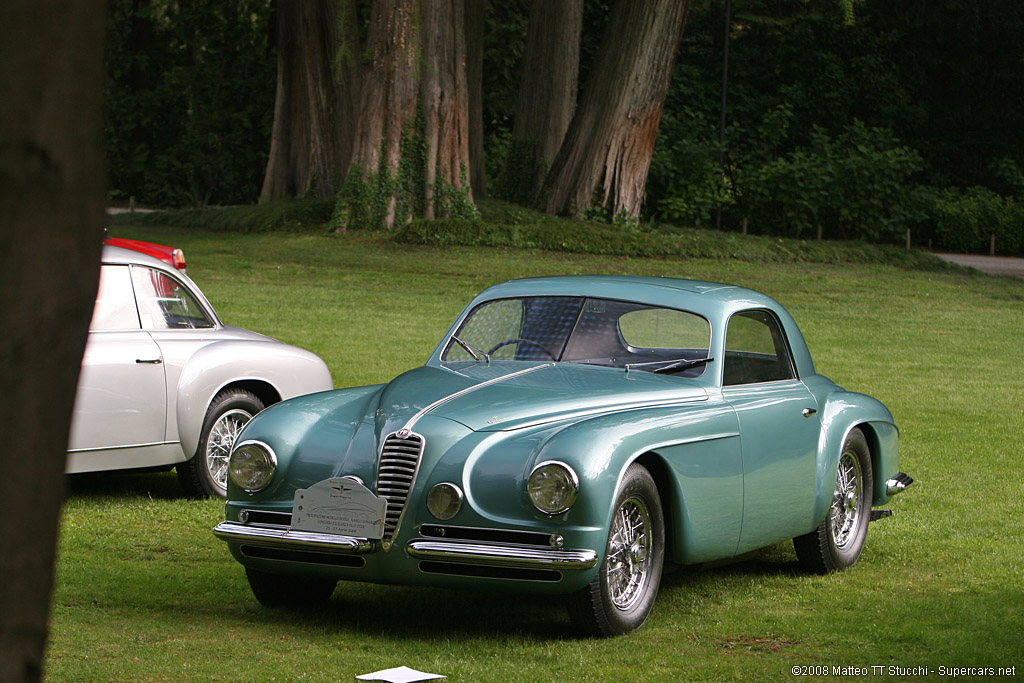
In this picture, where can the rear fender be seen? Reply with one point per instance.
(843, 412)
(288, 370)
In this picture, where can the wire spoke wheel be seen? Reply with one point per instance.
(220, 442)
(848, 500)
(629, 553)
(621, 595)
(205, 474)
(837, 542)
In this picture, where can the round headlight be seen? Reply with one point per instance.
(553, 487)
(444, 501)
(252, 465)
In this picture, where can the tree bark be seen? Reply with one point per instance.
(416, 65)
(444, 96)
(474, 81)
(52, 185)
(547, 95)
(308, 152)
(607, 150)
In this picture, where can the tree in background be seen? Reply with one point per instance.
(51, 209)
(607, 150)
(411, 137)
(190, 111)
(313, 107)
(474, 23)
(547, 96)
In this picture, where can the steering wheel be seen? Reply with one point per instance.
(520, 340)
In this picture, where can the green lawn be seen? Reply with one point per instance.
(145, 593)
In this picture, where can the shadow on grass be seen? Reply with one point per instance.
(429, 614)
(155, 485)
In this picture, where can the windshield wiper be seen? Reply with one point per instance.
(681, 364)
(476, 353)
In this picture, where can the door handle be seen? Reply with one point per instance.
(149, 361)
(808, 412)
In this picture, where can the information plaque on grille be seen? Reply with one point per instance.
(339, 506)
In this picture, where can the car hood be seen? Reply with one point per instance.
(511, 395)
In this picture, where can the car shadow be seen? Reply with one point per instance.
(424, 613)
(155, 485)
(427, 614)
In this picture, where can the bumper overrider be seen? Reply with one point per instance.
(456, 551)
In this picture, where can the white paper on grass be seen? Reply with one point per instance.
(401, 674)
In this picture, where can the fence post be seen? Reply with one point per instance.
(744, 225)
(908, 239)
(992, 246)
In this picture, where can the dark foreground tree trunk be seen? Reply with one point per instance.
(607, 149)
(547, 95)
(308, 151)
(411, 147)
(51, 220)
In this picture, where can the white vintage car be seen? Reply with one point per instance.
(165, 384)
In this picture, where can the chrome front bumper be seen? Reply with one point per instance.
(487, 554)
(498, 555)
(284, 537)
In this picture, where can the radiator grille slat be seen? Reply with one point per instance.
(396, 471)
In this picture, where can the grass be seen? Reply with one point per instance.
(145, 593)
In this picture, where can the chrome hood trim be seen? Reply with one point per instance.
(408, 426)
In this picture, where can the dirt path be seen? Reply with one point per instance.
(993, 265)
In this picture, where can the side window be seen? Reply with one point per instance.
(164, 303)
(755, 350)
(664, 328)
(115, 302)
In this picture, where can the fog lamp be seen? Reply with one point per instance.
(444, 500)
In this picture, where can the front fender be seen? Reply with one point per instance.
(313, 437)
(699, 455)
(288, 370)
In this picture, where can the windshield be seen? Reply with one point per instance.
(583, 330)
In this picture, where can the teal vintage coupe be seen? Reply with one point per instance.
(569, 435)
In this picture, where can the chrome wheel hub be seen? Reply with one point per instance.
(220, 442)
(847, 502)
(629, 554)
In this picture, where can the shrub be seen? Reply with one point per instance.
(964, 220)
(854, 186)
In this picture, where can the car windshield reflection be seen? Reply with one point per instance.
(586, 331)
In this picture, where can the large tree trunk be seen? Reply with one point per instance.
(607, 150)
(52, 185)
(412, 137)
(308, 152)
(475, 82)
(547, 95)
(444, 97)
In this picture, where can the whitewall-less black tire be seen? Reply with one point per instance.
(837, 542)
(620, 598)
(205, 475)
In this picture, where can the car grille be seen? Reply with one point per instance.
(396, 470)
